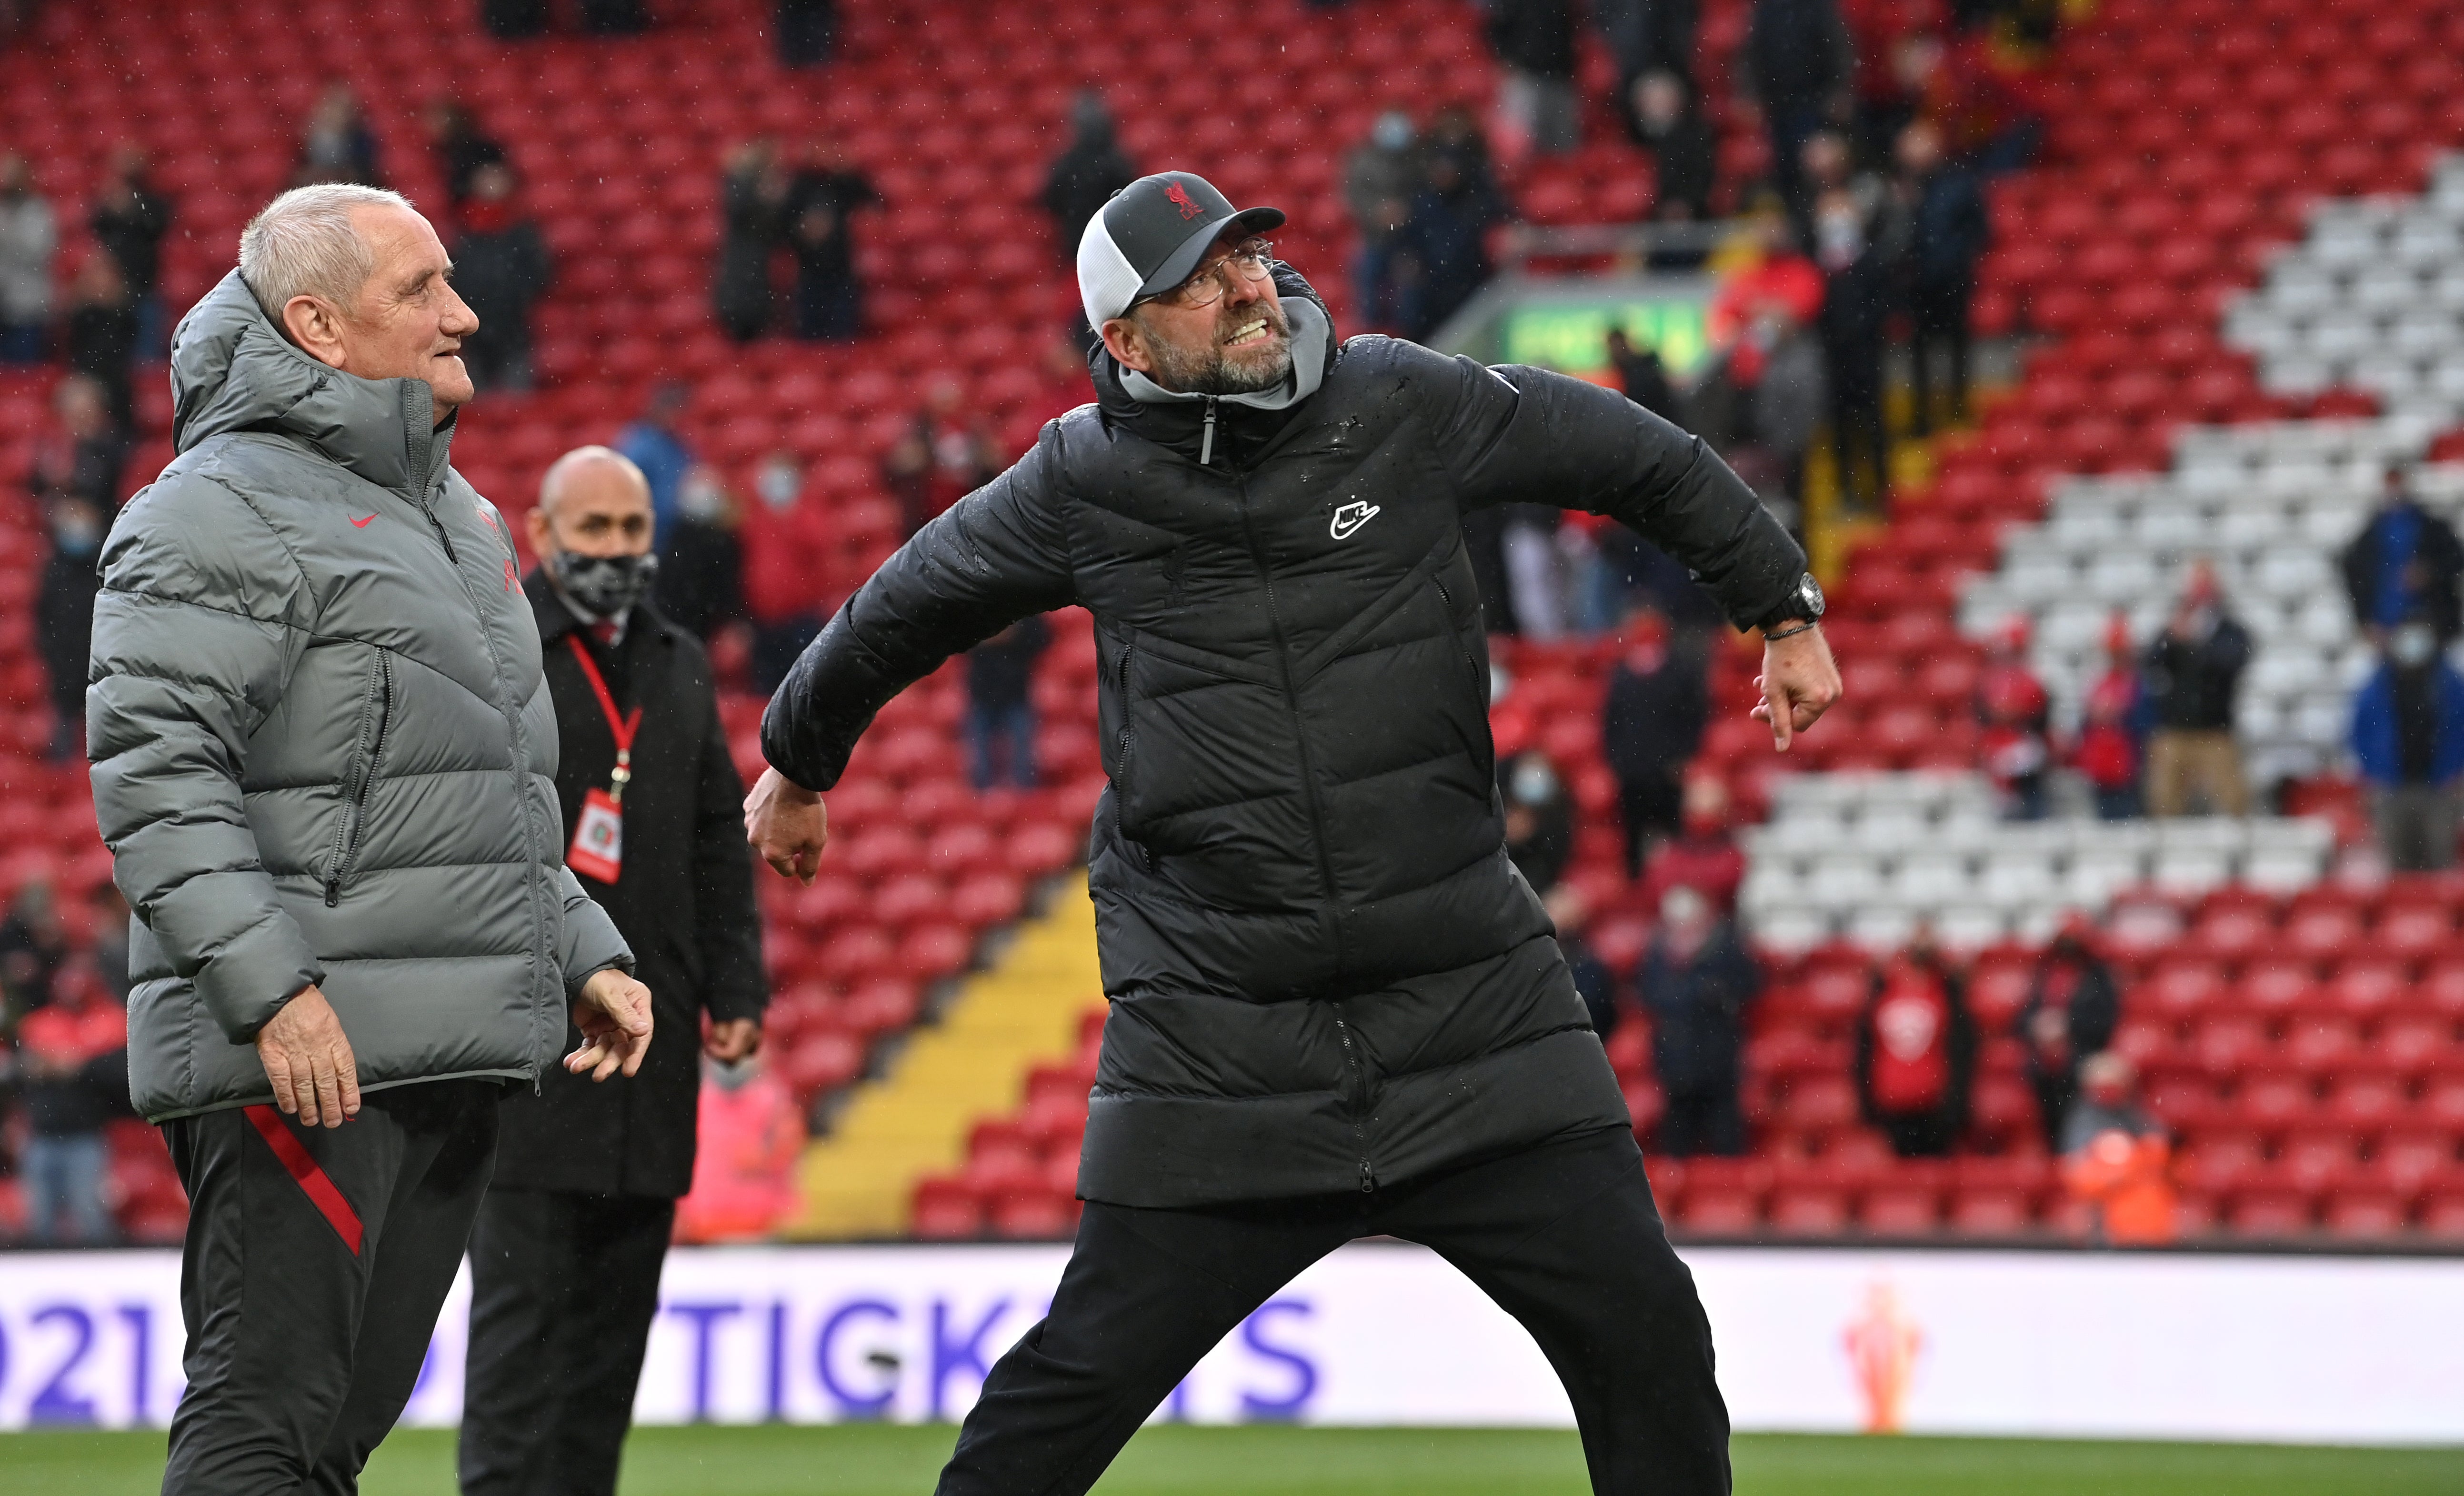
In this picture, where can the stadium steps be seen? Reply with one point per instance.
(860, 1180)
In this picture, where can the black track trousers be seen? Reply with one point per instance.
(1563, 1235)
(563, 1288)
(303, 1342)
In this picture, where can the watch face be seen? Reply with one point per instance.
(1811, 592)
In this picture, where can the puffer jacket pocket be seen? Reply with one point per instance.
(358, 774)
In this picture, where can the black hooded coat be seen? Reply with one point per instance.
(1324, 974)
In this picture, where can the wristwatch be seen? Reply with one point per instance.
(1805, 604)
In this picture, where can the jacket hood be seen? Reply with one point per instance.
(231, 371)
(1129, 399)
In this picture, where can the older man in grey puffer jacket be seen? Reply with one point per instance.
(324, 759)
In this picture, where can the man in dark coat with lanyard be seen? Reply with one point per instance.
(1336, 1008)
(565, 1256)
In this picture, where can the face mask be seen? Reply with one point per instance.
(2412, 647)
(1532, 783)
(1683, 911)
(779, 485)
(606, 585)
(732, 1077)
(76, 537)
(701, 500)
(1394, 132)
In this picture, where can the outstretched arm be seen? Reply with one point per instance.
(997, 556)
(1517, 434)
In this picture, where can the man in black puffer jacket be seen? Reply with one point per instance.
(1337, 1010)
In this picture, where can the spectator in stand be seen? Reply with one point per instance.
(2409, 738)
(1539, 820)
(1826, 163)
(85, 451)
(1797, 71)
(102, 331)
(1445, 242)
(652, 443)
(1704, 854)
(2194, 677)
(1379, 181)
(459, 145)
(129, 219)
(1537, 108)
(827, 192)
(1650, 728)
(502, 268)
(1789, 402)
(1534, 569)
(1916, 1052)
(1696, 981)
(2111, 748)
(753, 199)
(2013, 722)
(701, 563)
(1066, 387)
(1454, 132)
(907, 472)
(1083, 177)
(2074, 1006)
(2405, 561)
(1000, 705)
(745, 1171)
(1948, 232)
(1572, 914)
(1647, 37)
(964, 455)
(29, 237)
(2117, 1158)
(1856, 305)
(72, 1073)
(1643, 378)
(64, 613)
(34, 948)
(808, 30)
(1779, 286)
(337, 144)
(1662, 116)
(788, 548)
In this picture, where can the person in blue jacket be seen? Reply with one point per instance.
(2409, 736)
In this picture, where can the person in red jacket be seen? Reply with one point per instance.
(1916, 1052)
(787, 542)
(2113, 727)
(73, 1067)
(1704, 854)
(2011, 715)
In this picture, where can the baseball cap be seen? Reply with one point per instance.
(1150, 237)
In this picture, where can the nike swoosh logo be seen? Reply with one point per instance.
(363, 523)
(1350, 517)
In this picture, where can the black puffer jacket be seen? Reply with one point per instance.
(1324, 974)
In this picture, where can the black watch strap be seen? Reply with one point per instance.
(1804, 605)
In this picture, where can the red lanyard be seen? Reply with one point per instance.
(621, 728)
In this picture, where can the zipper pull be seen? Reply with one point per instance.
(1206, 447)
(332, 889)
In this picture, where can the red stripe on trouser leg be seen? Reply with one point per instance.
(313, 1182)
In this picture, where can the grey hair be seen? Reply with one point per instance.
(303, 243)
(552, 481)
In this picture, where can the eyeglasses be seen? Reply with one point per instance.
(1206, 286)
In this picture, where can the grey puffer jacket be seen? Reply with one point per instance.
(323, 751)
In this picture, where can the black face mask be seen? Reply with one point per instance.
(606, 585)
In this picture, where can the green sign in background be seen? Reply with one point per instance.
(1573, 335)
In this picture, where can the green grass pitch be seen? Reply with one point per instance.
(879, 1461)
